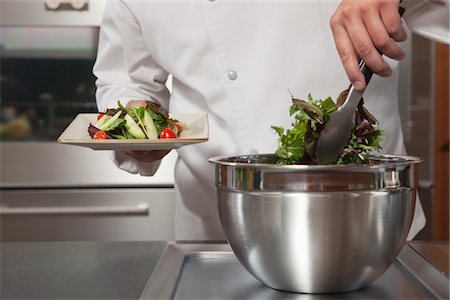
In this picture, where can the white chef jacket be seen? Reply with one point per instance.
(238, 62)
(429, 18)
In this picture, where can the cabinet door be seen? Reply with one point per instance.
(441, 145)
(110, 214)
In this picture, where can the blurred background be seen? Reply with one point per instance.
(50, 191)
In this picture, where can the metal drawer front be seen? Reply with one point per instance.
(105, 214)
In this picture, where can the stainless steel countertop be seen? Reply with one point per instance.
(211, 271)
(76, 270)
(104, 270)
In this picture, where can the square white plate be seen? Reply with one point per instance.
(77, 134)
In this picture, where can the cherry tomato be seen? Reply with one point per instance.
(167, 133)
(100, 135)
(100, 116)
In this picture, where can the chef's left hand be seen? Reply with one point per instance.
(360, 27)
(147, 156)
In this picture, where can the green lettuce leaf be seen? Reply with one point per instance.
(297, 144)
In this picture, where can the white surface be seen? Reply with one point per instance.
(77, 134)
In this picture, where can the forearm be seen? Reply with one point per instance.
(126, 71)
(125, 68)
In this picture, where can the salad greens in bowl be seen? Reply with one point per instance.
(297, 144)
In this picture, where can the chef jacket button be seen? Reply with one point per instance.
(232, 75)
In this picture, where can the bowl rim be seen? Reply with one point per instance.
(387, 160)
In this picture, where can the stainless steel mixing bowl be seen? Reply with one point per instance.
(316, 229)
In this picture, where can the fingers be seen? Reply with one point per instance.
(367, 29)
(134, 103)
(364, 41)
(389, 19)
(393, 23)
(147, 156)
(348, 56)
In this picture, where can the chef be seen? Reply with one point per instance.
(237, 62)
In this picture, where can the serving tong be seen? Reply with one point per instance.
(337, 131)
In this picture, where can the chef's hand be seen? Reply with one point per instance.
(360, 27)
(147, 156)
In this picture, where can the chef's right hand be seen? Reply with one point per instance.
(362, 29)
(147, 155)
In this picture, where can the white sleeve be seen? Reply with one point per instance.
(125, 70)
(428, 18)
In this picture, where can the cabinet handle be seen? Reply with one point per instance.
(140, 209)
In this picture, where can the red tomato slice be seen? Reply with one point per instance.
(100, 116)
(100, 135)
(167, 133)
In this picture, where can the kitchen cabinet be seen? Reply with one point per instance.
(425, 124)
(100, 214)
(441, 145)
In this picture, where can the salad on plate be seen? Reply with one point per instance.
(149, 121)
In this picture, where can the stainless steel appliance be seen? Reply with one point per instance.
(51, 191)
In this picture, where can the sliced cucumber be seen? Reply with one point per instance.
(133, 128)
(105, 126)
(149, 126)
(102, 121)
